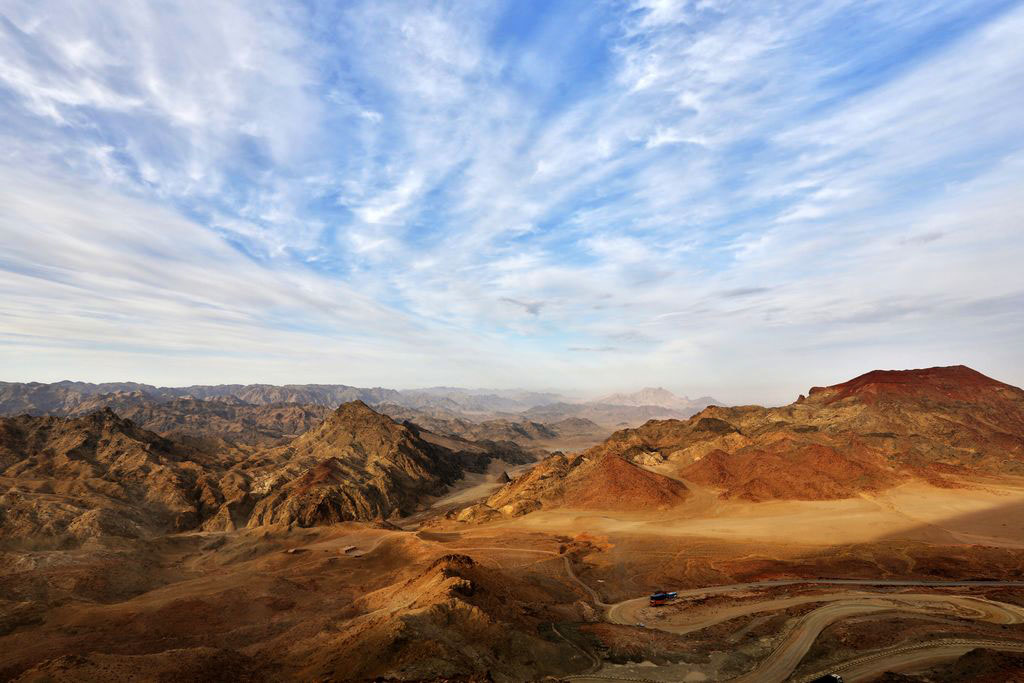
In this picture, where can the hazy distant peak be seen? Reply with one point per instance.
(655, 396)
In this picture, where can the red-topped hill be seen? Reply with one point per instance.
(937, 425)
(951, 383)
(941, 426)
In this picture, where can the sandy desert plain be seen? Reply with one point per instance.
(873, 529)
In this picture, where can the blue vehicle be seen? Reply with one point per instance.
(661, 597)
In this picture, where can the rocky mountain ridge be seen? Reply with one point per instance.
(522, 431)
(357, 464)
(68, 479)
(63, 398)
(937, 425)
(229, 419)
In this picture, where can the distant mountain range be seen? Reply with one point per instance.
(61, 398)
(478, 400)
(310, 466)
(657, 396)
(73, 398)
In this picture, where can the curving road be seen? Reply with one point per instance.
(779, 665)
(910, 657)
(783, 660)
(631, 611)
(595, 661)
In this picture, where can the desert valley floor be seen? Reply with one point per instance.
(909, 566)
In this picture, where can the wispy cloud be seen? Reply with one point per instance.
(701, 191)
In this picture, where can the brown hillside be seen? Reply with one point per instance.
(598, 483)
(611, 483)
(230, 419)
(67, 480)
(356, 465)
(793, 471)
(422, 626)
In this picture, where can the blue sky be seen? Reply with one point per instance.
(734, 198)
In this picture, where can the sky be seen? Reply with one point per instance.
(741, 199)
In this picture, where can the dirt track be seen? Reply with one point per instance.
(782, 661)
(911, 657)
(595, 598)
(631, 611)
